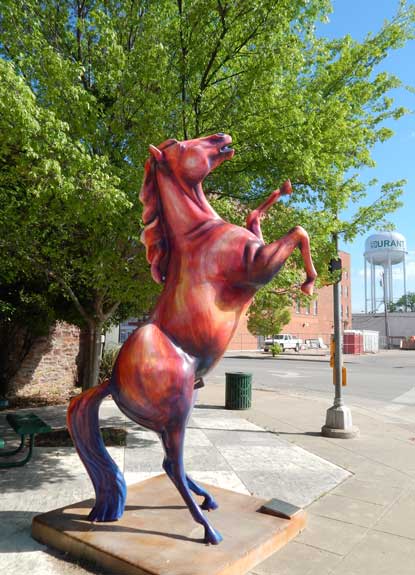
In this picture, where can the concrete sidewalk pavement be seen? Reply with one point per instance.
(360, 494)
(364, 526)
(314, 355)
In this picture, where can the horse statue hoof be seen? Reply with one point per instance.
(212, 536)
(209, 505)
(308, 287)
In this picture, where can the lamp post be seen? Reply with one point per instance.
(338, 417)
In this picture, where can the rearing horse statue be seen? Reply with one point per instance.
(211, 270)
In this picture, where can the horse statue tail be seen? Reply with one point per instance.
(109, 484)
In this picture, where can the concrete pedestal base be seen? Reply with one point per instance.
(339, 423)
(157, 535)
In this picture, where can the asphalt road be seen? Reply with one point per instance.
(387, 377)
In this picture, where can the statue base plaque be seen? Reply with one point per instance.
(157, 535)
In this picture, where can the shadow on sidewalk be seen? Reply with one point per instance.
(208, 406)
(309, 433)
(46, 468)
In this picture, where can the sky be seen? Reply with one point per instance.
(395, 159)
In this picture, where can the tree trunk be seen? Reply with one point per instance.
(90, 355)
(16, 341)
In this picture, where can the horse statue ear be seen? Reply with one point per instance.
(156, 153)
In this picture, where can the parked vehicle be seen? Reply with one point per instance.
(285, 340)
(316, 343)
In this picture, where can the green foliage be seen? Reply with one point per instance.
(63, 213)
(276, 349)
(404, 303)
(270, 311)
(108, 360)
(22, 305)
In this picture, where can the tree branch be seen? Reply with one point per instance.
(106, 315)
(71, 294)
(183, 66)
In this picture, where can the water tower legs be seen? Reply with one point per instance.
(373, 286)
(390, 272)
(404, 283)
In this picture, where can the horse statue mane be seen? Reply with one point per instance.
(154, 236)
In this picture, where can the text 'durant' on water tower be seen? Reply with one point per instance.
(385, 249)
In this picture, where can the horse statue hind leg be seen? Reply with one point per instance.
(153, 384)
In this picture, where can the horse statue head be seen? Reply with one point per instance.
(178, 169)
(192, 160)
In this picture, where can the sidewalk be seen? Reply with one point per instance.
(359, 494)
(290, 354)
(307, 355)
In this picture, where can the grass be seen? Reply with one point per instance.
(113, 437)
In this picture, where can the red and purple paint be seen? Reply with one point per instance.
(211, 270)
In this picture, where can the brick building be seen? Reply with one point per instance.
(52, 362)
(310, 322)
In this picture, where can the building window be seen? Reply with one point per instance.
(341, 289)
(346, 291)
(347, 311)
(315, 307)
(297, 306)
(341, 311)
(307, 309)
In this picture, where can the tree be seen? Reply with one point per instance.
(64, 219)
(404, 303)
(104, 79)
(269, 312)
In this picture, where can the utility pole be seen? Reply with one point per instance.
(338, 417)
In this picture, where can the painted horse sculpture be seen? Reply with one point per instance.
(211, 270)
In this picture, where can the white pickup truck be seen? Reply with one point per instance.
(285, 340)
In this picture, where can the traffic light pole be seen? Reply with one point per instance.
(338, 417)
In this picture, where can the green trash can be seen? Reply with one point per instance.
(238, 390)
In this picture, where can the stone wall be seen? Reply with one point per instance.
(51, 361)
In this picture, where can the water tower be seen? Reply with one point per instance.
(384, 249)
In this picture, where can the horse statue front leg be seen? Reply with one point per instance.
(264, 261)
(253, 221)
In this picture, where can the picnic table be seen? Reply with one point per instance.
(25, 425)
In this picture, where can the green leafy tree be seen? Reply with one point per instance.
(65, 222)
(404, 303)
(269, 312)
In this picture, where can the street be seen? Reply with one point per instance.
(376, 381)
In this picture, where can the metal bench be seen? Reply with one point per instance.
(27, 424)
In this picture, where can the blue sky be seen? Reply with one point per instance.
(394, 159)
